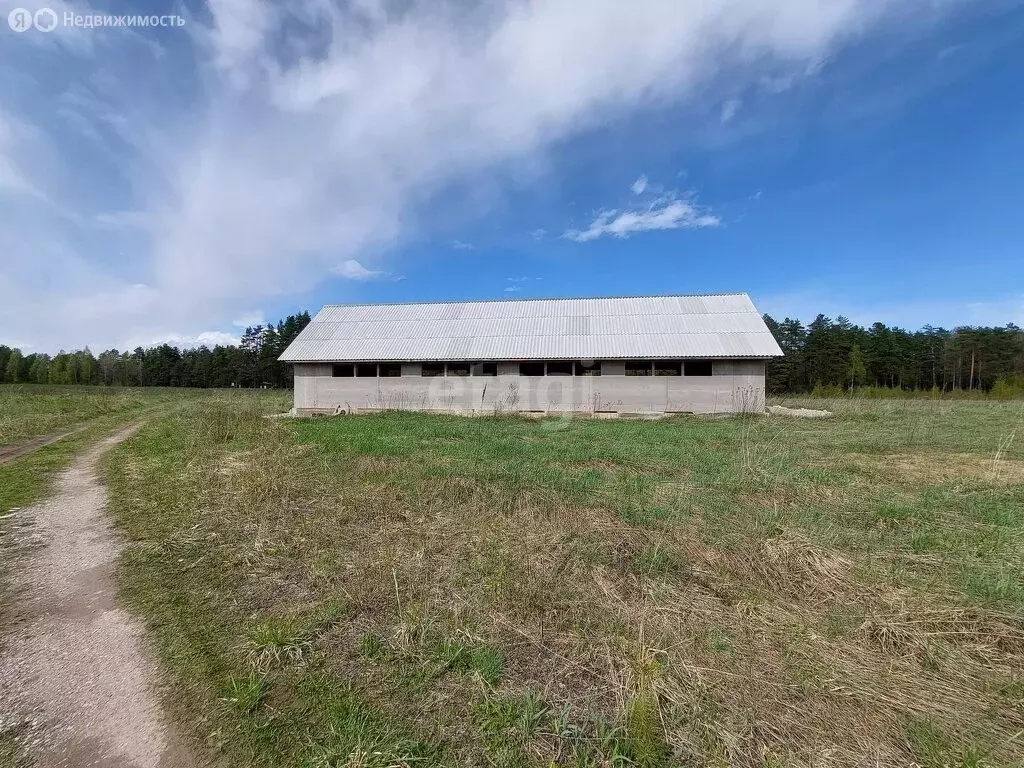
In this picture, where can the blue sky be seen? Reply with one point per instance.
(861, 157)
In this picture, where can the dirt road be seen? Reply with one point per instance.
(77, 674)
(9, 453)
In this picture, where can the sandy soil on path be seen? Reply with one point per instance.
(77, 675)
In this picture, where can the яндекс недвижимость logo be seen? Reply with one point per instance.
(22, 20)
(46, 20)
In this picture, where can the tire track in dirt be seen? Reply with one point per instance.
(9, 453)
(77, 674)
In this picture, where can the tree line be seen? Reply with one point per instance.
(838, 354)
(823, 354)
(251, 363)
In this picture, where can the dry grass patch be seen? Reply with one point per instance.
(790, 564)
(600, 465)
(916, 469)
(232, 464)
(676, 491)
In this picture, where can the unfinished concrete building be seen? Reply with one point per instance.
(602, 356)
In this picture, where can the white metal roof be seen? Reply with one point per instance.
(721, 325)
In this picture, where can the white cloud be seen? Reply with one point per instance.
(24, 346)
(538, 234)
(729, 109)
(516, 284)
(122, 220)
(666, 212)
(209, 339)
(460, 245)
(12, 180)
(996, 312)
(353, 270)
(213, 338)
(15, 140)
(778, 84)
(249, 319)
(313, 133)
(951, 50)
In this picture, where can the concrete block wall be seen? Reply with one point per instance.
(734, 386)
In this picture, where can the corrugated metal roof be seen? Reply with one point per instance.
(722, 325)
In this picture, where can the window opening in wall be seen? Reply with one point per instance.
(638, 367)
(559, 368)
(531, 369)
(587, 368)
(485, 369)
(342, 370)
(668, 368)
(390, 370)
(432, 369)
(458, 369)
(366, 370)
(697, 368)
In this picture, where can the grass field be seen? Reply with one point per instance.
(31, 410)
(88, 413)
(406, 589)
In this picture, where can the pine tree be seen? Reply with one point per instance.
(5, 355)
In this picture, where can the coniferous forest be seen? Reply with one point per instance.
(252, 363)
(823, 356)
(829, 354)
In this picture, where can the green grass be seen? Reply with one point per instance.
(95, 412)
(25, 480)
(410, 589)
(33, 410)
(12, 749)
